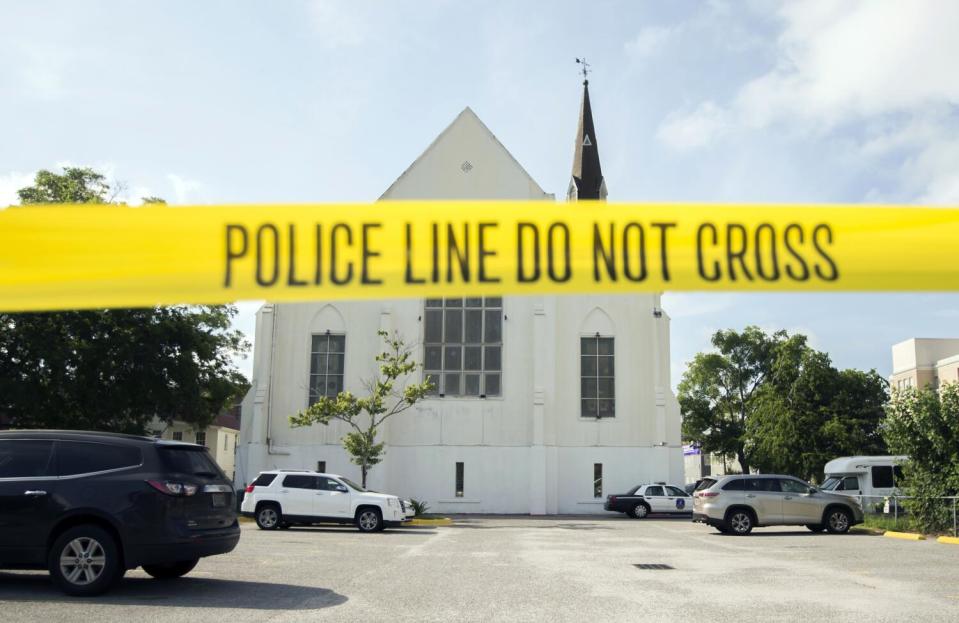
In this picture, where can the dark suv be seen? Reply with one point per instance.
(89, 506)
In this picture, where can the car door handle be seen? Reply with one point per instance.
(35, 494)
(788, 497)
(750, 495)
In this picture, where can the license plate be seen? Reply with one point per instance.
(219, 499)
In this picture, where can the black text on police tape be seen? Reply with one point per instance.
(343, 254)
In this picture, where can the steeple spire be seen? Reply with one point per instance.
(587, 182)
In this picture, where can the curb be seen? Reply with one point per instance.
(948, 539)
(907, 536)
(440, 521)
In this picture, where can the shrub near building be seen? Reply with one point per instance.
(924, 424)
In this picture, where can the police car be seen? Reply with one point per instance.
(657, 497)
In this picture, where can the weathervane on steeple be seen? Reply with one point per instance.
(585, 70)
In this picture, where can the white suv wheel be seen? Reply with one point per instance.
(267, 518)
(368, 521)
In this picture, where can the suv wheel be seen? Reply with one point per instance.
(85, 561)
(268, 517)
(740, 522)
(369, 520)
(838, 521)
(171, 570)
(639, 511)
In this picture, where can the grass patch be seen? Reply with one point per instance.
(886, 522)
(904, 523)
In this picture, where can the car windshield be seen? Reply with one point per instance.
(830, 484)
(353, 485)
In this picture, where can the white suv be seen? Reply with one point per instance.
(283, 498)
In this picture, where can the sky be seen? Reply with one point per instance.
(317, 100)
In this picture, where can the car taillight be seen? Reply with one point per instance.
(612, 498)
(709, 494)
(249, 488)
(168, 487)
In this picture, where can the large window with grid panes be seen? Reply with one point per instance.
(597, 386)
(327, 352)
(463, 346)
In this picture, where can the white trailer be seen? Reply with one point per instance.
(869, 478)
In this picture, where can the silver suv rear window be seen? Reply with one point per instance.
(705, 483)
(735, 485)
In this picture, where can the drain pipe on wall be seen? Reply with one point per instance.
(269, 402)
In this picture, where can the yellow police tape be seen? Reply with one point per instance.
(71, 257)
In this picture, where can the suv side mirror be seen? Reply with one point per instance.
(342, 489)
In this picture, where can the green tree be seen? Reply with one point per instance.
(718, 391)
(808, 412)
(114, 370)
(387, 395)
(74, 185)
(924, 424)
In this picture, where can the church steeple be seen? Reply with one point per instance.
(587, 182)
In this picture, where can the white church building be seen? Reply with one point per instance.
(543, 404)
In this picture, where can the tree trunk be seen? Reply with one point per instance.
(741, 457)
(363, 470)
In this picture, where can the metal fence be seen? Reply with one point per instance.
(891, 507)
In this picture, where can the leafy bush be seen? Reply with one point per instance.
(924, 424)
(419, 507)
(929, 511)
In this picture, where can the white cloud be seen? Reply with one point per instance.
(184, 190)
(881, 70)
(10, 184)
(683, 131)
(135, 195)
(838, 60)
(842, 61)
(650, 41)
(935, 170)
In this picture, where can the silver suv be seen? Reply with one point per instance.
(737, 504)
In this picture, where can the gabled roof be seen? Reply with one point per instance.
(227, 419)
(466, 161)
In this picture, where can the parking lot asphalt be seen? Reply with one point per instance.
(529, 569)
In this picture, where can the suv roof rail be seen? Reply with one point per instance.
(53, 432)
(301, 471)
